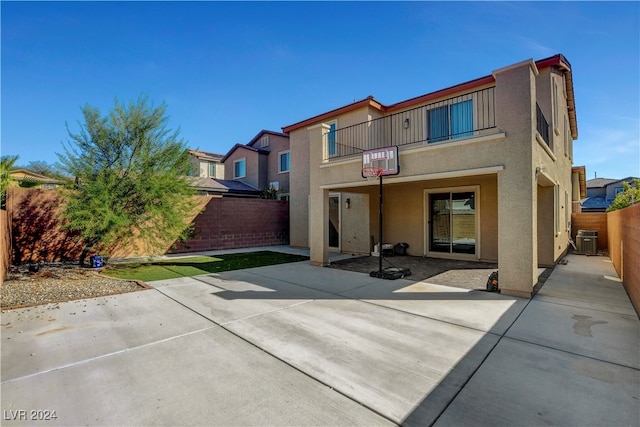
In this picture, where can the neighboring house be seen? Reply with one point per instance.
(221, 187)
(485, 173)
(206, 165)
(263, 163)
(601, 192)
(27, 178)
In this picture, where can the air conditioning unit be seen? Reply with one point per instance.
(587, 242)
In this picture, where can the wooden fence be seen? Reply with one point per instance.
(591, 221)
(624, 248)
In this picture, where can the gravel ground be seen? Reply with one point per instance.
(58, 283)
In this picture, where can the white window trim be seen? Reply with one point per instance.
(264, 141)
(326, 147)
(473, 97)
(280, 162)
(244, 159)
(425, 219)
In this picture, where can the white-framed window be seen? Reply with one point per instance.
(555, 106)
(332, 142)
(212, 170)
(264, 141)
(556, 197)
(567, 211)
(284, 161)
(240, 168)
(450, 120)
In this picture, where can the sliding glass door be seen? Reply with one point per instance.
(452, 222)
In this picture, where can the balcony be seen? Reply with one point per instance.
(542, 125)
(463, 116)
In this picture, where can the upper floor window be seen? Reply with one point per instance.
(240, 168)
(331, 139)
(212, 170)
(450, 121)
(285, 162)
(264, 141)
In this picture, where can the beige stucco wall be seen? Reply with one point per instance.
(277, 144)
(252, 158)
(521, 183)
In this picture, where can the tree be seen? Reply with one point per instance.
(630, 194)
(129, 184)
(6, 164)
(46, 169)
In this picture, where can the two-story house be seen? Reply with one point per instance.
(206, 165)
(263, 163)
(601, 192)
(485, 173)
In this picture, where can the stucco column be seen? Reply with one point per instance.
(517, 188)
(318, 198)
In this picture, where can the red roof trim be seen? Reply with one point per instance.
(443, 92)
(367, 102)
(557, 60)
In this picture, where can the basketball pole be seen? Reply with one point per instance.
(380, 228)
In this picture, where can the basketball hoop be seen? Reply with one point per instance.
(372, 172)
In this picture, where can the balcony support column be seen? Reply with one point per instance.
(318, 198)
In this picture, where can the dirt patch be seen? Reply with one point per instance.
(58, 282)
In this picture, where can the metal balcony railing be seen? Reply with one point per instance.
(454, 118)
(542, 125)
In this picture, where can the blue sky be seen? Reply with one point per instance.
(226, 70)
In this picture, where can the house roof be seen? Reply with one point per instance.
(600, 182)
(267, 132)
(21, 175)
(204, 155)
(596, 202)
(558, 61)
(246, 147)
(221, 186)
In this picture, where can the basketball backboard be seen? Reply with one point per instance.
(385, 160)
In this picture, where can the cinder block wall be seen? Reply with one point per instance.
(5, 246)
(239, 223)
(591, 221)
(223, 223)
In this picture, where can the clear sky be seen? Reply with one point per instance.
(226, 70)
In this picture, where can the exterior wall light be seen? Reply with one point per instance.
(347, 203)
(406, 123)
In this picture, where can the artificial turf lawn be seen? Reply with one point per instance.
(193, 266)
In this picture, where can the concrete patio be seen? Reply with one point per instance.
(301, 345)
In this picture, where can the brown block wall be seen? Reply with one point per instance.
(591, 221)
(223, 223)
(227, 223)
(5, 246)
(624, 249)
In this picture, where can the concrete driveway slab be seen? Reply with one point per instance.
(603, 335)
(526, 384)
(47, 337)
(206, 378)
(383, 358)
(576, 284)
(480, 310)
(304, 274)
(227, 300)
